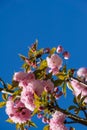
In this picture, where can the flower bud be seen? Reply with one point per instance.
(66, 55)
(44, 120)
(59, 49)
(41, 108)
(39, 115)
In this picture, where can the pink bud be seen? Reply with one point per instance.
(56, 89)
(41, 108)
(58, 95)
(82, 72)
(46, 50)
(66, 55)
(39, 115)
(44, 120)
(59, 49)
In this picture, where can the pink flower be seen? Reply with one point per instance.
(20, 76)
(17, 111)
(54, 62)
(48, 85)
(57, 121)
(27, 94)
(23, 78)
(27, 97)
(59, 49)
(82, 72)
(79, 88)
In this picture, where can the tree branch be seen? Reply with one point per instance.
(72, 116)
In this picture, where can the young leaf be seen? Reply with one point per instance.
(9, 120)
(72, 107)
(64, 89)
(52, 50)
(46, 127)
(43, 64)
(30, 123)
(5, 96)
(2, 104)
(22, 57)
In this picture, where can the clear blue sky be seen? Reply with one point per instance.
(52, 22)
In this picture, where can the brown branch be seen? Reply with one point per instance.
(82, 83)
(72, 116)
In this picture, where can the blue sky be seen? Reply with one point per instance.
(52, 22)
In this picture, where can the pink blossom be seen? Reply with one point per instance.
(82, 72)
(27, 94)
(27, 97)
(57, 121)
(17, 111)
(79, 88)
(54, 71)
(23, 78)
(48, 85)
(54, 62)
(19, 76)
(37, 86)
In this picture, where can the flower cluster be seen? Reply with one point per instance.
(78, 87)
(37, 89)
(17, 111)
(57, 121)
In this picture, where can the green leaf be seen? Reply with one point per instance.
(10, 87)
(75, 101)
(64, 69)
(78, 98)
(39, 53)
(61, 75)
(52, 51)
(17, 126)
(30, 123)
(14, 84)
(46, 127)
(83, 98)
(72, 107)
(2, 104)
(43, 64)
(17, 92)
(35, 111)
(9, 120)
(58, 82)
(69, 86)
(64, 89)
(5, 96)
(22, 57)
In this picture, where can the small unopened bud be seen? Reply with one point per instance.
(39, 115)
(56, 89)
(46, 50)
(41, 108)
(59, 49)
(58, 95)
(66, 55)
(44, 120)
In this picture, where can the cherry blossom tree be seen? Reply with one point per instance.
(37, 89)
